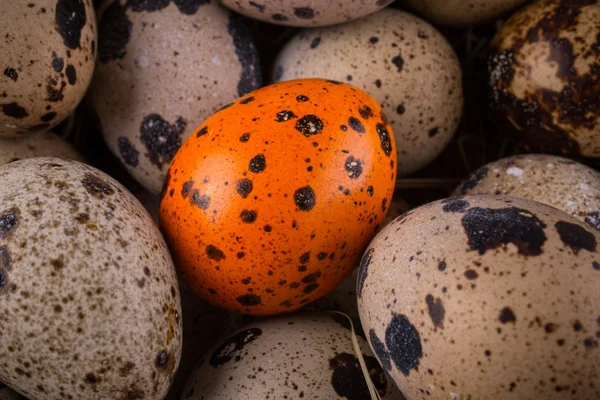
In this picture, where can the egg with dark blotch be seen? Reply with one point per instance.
(485, 297)
(306, 14)
(48, 52)
(43, 144)
(163, 68)
(90, 303)
(400, 60)
(308, 355)
(556, 181)
(544, 70)
(270, 203)
(462, 13)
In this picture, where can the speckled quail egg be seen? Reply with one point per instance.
(556, 181)
(403, 62)
(462, 13)
(48, 51)
(306, 355)
(43, 144)
(90, 303)
(545, 77)
(306, 13)
(485, 297)
(163, 68)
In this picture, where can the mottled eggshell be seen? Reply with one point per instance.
(271, 202)
(556, 181)
(462, 13)
(44, 144)
(485, 297)
(545, 77)
(298, 356)
(403, 62)
(89, 304)
(48, 51)
(306, 13)
(163, 68)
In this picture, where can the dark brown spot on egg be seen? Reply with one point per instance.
(244, 187)
(162, 359)
(454, 205)
(128, 152)
(304, 12)
(285, 115)
(436, 310)
(305, 198)
(575, 236)
(384, 139)
(250, 78)
(365, 111)
(363, 271)
(70, 18)
(471, 274)
(348, 379)
(214, 253)
(507, 315)
(48, 117)
(248, 216)
(380, 350)
(257, 164)
(356, 125)
(161, 139)
(473, 180)
(202, 201)
(309, 125)
(201, 132)
(403, 343)
(97, 186)
(14, 110)
(249, 300)
(232, 347)
(11, 73)
(71, 74)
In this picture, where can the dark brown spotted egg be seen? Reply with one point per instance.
(89, 300)
(43, 144)
(462, 13)
(399, 59)
(485, 297)
(545, 77)
(306, 13)
(299, 356)
(556, 181)
(163, 68)
(48, 51)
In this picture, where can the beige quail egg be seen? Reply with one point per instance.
(462, 13)
(306, 13)
(403, 62)
(306, 355)
(163, 68)
(90, 303)
(48, 51)
(544, 69)
(43, 144)
(485, 297)
(556, 181)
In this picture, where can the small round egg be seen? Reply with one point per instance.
(48, 52)
(271, 202)
(485, 297)
(90, 303)
(308, 355)
(462, 13)
(43, 144)
(556, 181)
(403, 62)
(545, 78)
(306, 14)
(163, 68)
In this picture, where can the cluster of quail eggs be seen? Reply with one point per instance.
(227, 199)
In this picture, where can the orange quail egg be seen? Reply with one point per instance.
(163, 68)
(400, 60)
(90, 304)
(306, 355)
(485, 297)
(48, 51)
(306, 13)
(556, 181)
(462, 13)
(44, 144)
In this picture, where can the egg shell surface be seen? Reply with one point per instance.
(485, 297)
(48, 52)
(544, 67)
(163, 68)
(90, 303)
(400, 60)
(271, 202)
(308, 355)
(43, 144)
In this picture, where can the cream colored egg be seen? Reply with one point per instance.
(306, 13)
(544, 67)
(462, 13)
(485, 297)
(163, 68)
(307, 355)
(403, 62)
(556, 181)
(90, 303)
(44, 144)
(48, 51)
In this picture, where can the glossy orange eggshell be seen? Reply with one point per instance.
(270, 204)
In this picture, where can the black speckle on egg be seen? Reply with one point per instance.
(436, 310)
(471, 274)
(348, 379)
(285, 115)
(507, 315)
(575, 236)
(432, 132)
(356, 125)
(257, 164)
(301, 98)
(370, 191)
(96, 186)
(305, 198)
(249, 300)
(384, 139)
(400, 109)
(8, 221)
(71, 74)
(202, 131)
(309, 125)
(353, 167)
(315, 42)
(70, 18)
(365, 111)
(596, 265)
(247, 100)
(161, 139)
(114, 32)
(48, 116)
(279, 17)
(189, 7)
(147, 5)
(403, 343)
(304, 12)
(14, 110)
(380, 350)
(11, 73)
(363, 271)
(398, 62)
(162, 359)
(214, 253)
(244, 187)
(57, 63)
(473, 180)
(248, 216)
(455, 205)
(202, 201)
(310, 288)
(128, 152)
(233, 346)
(442, 266)
(250, 78)
(305, 258)
(186, 188)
